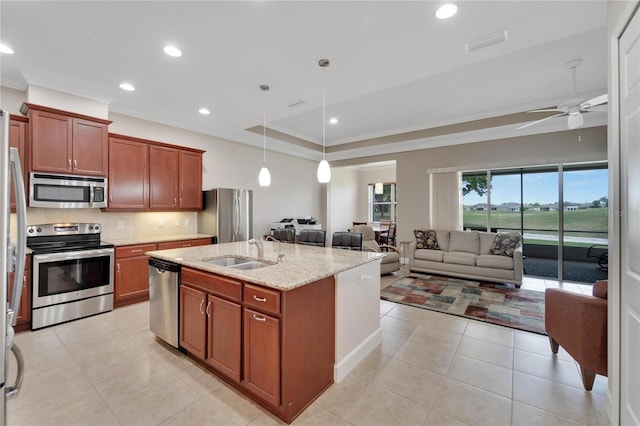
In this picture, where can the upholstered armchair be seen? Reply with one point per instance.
(578, 323)
(390, 261)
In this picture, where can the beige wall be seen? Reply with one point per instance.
(342, 197)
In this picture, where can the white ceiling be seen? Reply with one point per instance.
(394, 67)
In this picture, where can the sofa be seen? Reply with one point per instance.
(476, 255)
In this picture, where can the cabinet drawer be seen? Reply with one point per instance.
(184, 243)
(262, 298)
(131, 251)
(215, 284)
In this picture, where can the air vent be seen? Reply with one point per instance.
(296, 103)
(477, 45)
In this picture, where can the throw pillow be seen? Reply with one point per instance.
(504, 244)
(426, 239)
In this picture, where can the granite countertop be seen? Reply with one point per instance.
(154, 239)
(302, 264)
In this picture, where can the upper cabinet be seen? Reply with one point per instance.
(63, 142)
(175, 177)
(148, 175)
(18, 139)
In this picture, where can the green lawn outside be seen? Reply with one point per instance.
(590, 220)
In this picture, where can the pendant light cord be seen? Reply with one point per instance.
(324, 103)
(264, 127)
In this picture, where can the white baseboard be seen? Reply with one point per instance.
(344, 366)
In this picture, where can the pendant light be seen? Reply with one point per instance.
(324, 170)
(264, 177)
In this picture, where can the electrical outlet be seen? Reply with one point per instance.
(119, 224)
(161, 223)
(177, 222)
(187, 221)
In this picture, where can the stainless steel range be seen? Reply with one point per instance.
(72, 272)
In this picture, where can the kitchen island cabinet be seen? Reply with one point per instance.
(65, 142)
(290, 318)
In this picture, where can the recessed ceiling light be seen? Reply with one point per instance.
(127, 86)
(172, 51)
(6, 49)
(333, 120)
(204, 111)
(446, 11)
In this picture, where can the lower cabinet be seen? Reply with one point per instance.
(277, 347)
(131, 274)
(262, 355)
(23, 320)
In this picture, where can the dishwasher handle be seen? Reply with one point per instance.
(163, 265)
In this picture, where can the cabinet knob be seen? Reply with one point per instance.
(259, 299)
(257, 318)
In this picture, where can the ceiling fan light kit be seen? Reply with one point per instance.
(573, 111)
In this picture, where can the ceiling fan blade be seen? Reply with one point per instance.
(540, 121)
(598, 100)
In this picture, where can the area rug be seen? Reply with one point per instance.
(500, 304)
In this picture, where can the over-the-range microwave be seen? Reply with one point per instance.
(67, 191)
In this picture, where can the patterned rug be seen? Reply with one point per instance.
(501, 304)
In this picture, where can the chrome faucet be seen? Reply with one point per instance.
(280, 252)
(258, 243)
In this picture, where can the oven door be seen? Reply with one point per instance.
(74, 275)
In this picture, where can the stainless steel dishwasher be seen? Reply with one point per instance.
(164, 279)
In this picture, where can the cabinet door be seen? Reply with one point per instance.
(17, 137)
(193, 322)
(224, 340)
(51, 136)
(262, 355)
(163, 178)
(132, 278)
(24, 312)
(190, 181)
(90, 147)
(128, 174)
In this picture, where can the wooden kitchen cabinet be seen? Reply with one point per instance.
(64, 142)
(131, 274)
(216, 301)
(262, 355)
(184, 243)
(23, 322)
(18, 139)
(128, 174)
(175, 178)
(193, 322)
(283, 340)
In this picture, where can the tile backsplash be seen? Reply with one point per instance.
(117, 225)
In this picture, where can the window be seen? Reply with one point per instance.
(382, 207)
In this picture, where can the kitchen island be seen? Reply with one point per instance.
(284, 332)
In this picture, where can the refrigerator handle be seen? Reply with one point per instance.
(236, 218)
(21, 244)
(12, 391)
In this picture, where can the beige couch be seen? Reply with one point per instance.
(467, 254)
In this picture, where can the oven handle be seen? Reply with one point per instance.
(70, 255)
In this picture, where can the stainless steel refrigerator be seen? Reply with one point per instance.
(227, 214)
(12, 258)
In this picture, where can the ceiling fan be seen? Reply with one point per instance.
(572, 109)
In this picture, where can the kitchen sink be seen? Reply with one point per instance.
(228, 261)
(250, 265)
(241, 263)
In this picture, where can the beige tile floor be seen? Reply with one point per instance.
(431, 369)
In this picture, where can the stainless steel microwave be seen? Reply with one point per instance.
(67, 191)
